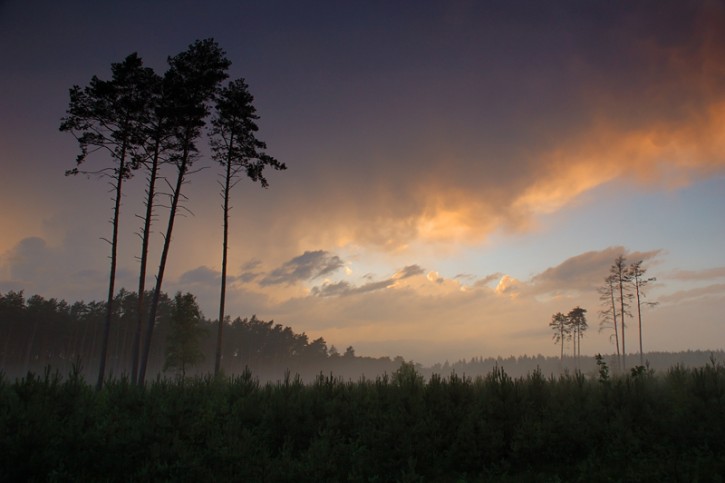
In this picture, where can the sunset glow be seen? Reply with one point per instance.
(457, 171)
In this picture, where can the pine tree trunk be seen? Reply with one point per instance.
(616, 331)
(621, 313)
(150, 195)
(162, 266)
(225, 247)
(112, 276)
(639, 318)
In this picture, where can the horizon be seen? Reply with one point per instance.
(456, 173)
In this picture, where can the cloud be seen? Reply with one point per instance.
(58, 271)
(30, 259)
(201, 275)
(308, 266)
(508, 286)
(487, 280)
(632, 98)
(697, 275)
(409, 271)
(716, 291)
(344, 288)
(584, 272)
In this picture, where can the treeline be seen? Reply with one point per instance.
(521, 366)
(636, 427)
(38, 332)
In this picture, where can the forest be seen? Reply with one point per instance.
(37, 333)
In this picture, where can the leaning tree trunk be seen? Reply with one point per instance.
(162, 266)
(112, 276)
(150, 194)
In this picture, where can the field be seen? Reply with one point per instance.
(642, 426)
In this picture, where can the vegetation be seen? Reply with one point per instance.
(144, 120)
(105, 115)
(569, 327)
(183, 344)
(470, 421)
(38, 332)
(398, 427)
(624, 284)
(235, 146)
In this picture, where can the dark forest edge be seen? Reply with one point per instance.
(640, 426)
(38, 332)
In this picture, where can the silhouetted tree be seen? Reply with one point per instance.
(561, 330)
(190, 83)
(608, 315)
(236, 148)
(155, 132)
(577, 321)
(12, 311)
(622, 278)
(105, 115)
(637, 275)
(185, 335)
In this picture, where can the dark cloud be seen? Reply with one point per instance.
(250, 265)
(200, 275)
(308, 266)
(37, 267)
(29, 259)
(247, 277)
(343, 288)
(488, 279)
(409, 271)
(332, 289)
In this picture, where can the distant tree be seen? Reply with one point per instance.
(608, 315)
(236, 148)
(105, 115)
(186, 333)
(191, 82)
(317, 350)
(577, 321)
(622, 278)
(560, 326)
(637, 275)
(12, 312)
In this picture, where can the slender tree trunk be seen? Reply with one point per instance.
(621, 314)
(616, 331)
(639, 318)
(225, 246)
(150, 195)
(162, 265)
(112, 276)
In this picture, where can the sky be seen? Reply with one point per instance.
(457, 172)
